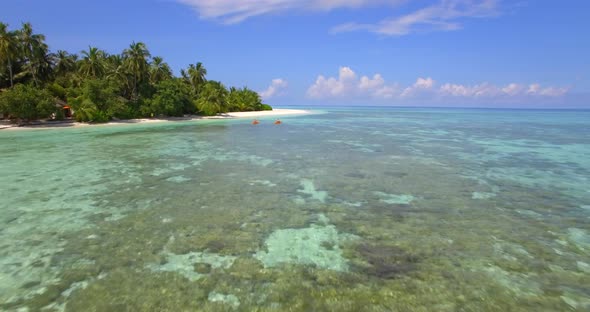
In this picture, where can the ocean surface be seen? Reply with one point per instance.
(347, 209)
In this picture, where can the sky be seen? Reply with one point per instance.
(468, 53)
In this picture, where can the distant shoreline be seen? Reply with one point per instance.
(231, 115)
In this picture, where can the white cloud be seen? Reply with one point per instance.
(276, 88)
(513, 89)
(437, 15)
(348, 85)
(421, 85)
(236, 11)
(486, 90)
(442, 16)
(554, 91)
(476, 91)
(537, 89)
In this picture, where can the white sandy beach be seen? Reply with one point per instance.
(274, 112)
(277, 112)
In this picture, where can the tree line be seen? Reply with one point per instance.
(36, 83)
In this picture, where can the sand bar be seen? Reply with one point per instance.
(277, 112)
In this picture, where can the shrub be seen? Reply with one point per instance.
(27, 103)
(57, 91)
(244, 100)
(172, 98)
(59, 114)
(97, 101)
(212, 99)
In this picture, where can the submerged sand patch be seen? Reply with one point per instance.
(317, 245)
(309, 189)
(395, 199)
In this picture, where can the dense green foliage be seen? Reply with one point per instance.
(240, 100)
(100, 86)
(26, 102)
(212, 98)
(173, 97)
(97, 100)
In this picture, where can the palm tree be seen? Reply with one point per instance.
(41, 65)
(93, 63)
(235, 101)
(244, 100)
(117, 70)
(64, 62)
(8, 48)
(114, 67)
(159, 70)
(251, 99)
(34, 50)
(212, 98)
(195, 75)
(136, 62)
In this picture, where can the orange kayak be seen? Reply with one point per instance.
(278, 122)
(255, 122)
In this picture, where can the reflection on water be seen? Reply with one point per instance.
(355, 209)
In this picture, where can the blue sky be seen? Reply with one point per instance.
(347, 52)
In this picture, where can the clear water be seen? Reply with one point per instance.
(372, 209)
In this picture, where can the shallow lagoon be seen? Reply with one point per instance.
(353, 209)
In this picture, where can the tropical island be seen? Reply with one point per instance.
(98, 87)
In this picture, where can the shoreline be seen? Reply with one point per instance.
(231, 115)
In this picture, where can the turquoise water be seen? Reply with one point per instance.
(349, 209)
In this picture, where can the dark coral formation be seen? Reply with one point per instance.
(385, 261)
